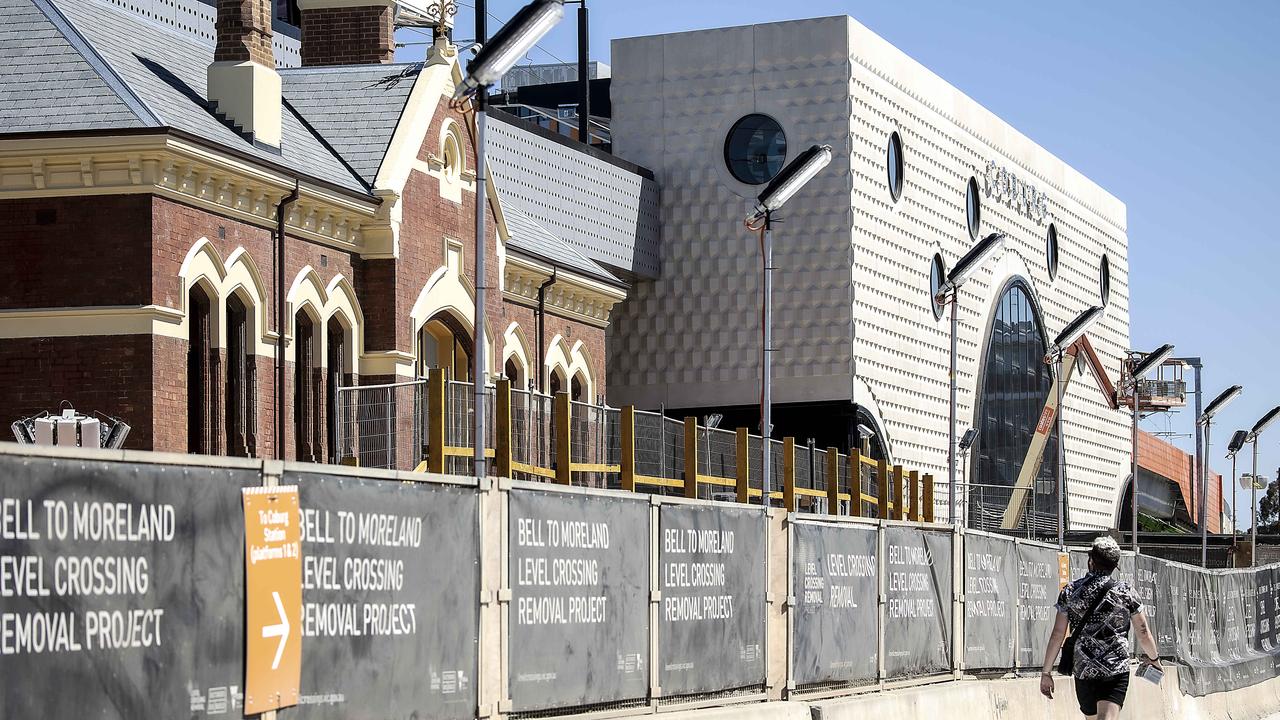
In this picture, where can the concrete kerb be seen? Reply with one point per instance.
(1021, 698)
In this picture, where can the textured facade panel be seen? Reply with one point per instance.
(196, 18)
(852, 318)
(605, 212)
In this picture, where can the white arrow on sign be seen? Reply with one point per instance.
(281, 631)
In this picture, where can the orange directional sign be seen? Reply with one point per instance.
(1064, 569)
(273, 598)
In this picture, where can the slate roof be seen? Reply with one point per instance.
(355, 108)
(527, 237)
(156, 74)
(50, 79)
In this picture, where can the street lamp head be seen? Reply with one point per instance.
(973, 259)
(1238, 440)
(966, 440)
(1075, 329)
(1154, 359)
(1263, 423)
(1219, 402)
(793, 177)
(509, 44)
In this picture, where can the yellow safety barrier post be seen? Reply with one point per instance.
(897, 492)
(855, 483)
(882, 485)
(691, 457)
(833, 481)
(744, 466)
(629, 448)
(789, 473)
(561, 417)
(435, 420)
(926, 498)
(913, 513)
(502, 428)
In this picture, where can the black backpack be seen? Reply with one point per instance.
(1066, 665)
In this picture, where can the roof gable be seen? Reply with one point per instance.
(355, 108)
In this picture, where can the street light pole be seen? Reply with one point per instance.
(786, 183)
(1206, 419)
(1062, 467)
(493, 60)
(1254, 434)
(950, 292)
(1133, 478)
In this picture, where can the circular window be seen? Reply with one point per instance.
(755, 149)
(1104, 280)
(937, 276)
(973, 208)
(1051, 251)
(893, 160)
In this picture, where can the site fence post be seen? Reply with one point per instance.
(926, 497)
(855, 483)
(882, 488)
(562, 416)
(913, 496)
(628, 442)
(833, 481)
(743, 466)
(435, 420)
(896, 489)
(655, 600)
(957, 601)
(691, 457)
(502, 428)
(789, 474)
(882, 585)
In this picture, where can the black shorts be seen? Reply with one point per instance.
(1090, 692)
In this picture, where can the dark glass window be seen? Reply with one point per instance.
(1016, 382)
(1104, 280)
(755, 149)
(1051, 251)
(893, 160)
(973, 208)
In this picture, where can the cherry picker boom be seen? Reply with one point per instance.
(1071, 356)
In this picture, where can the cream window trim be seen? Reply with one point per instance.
(572, 296)
(92, 321)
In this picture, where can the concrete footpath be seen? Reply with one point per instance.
(1011, 699)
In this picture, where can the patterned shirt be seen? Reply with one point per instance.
(1102, 645)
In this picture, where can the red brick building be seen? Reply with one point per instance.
(144, 173)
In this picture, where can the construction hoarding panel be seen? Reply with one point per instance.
(391, 585)
(1037, 593)
(990, 592)
(579, 608)
(124, 583)
(711, 621)
(918, 601)
(834, 576)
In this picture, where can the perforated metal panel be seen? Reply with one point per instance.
(605, 211)
(196, 17)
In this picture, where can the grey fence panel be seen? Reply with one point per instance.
(990, 590)
(1267, 610)
(1147, 586)
(918, 594)
(579, 608)
(1037, 593)
(834, 576)
(713, 576)
(154, 627)
(1079, 560)
(390, 581)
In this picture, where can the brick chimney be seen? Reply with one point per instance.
(243, 82)
(347, 32)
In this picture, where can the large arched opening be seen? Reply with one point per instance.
(1014, 384)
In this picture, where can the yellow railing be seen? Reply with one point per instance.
(901, 495)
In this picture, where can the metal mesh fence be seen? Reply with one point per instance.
(382, 426)
(459, 425)
(532, 431)
(717, 453)
(650, 459)
(595, 438)
(985, 506)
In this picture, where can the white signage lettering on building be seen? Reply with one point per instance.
(1017, 194)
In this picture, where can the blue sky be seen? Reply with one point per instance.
(1170, 106)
